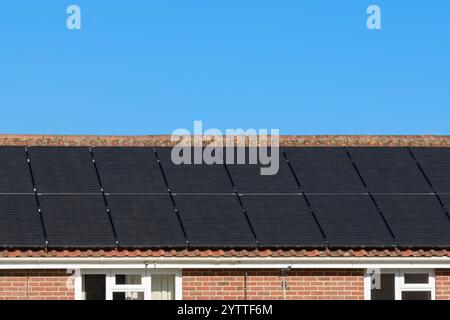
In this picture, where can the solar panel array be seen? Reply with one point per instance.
(137, 197)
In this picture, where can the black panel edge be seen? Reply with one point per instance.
(36, 196)
(302, 193)
(172, 199)
(374, 202)
(243, 209)
(230, 247)
(435, 193)
(110, 218)
(226, 247)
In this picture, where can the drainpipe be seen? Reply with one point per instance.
(245, 285)
(284, 287)
(28, 285)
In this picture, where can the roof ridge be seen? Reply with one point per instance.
(285, 140)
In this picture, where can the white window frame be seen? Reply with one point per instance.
(400, 285)
(111, 286)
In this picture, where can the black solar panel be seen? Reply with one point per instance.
(435, 162)
(389, 170)
(417, 220)
(74, 212)
(283, 220)
(248, 178)
(324, 170)
(20, 224)
(63, 170)
(76, 221)
(129, 170)
(15, 175)
(145, 221)
(214, 220)
(194, 178)
(350, 220)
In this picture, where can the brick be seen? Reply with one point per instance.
(266, 284)
(34, 284)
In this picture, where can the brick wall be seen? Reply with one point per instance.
(217, 284)
(266, 284)
(35, 285)
(442, 284)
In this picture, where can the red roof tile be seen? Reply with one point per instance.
(225, 253)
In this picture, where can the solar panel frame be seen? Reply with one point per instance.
(283, 221)
(445, 198)
(389, 170)
(129, 170)
(248, 179)
(435, 163)
(15, 176)
(21, 224)
(145, 221)
(63, 170)
(324, 170)
(194, 178)
(76, 221)
(416, 220)
(351, 221)
(214, 221)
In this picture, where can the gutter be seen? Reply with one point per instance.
(224, 262)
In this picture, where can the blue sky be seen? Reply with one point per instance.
(149, 67)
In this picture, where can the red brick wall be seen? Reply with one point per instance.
(442, 284)
(35, 285)
(209, 284)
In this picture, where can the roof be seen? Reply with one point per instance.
(122, 196)
(208, 253)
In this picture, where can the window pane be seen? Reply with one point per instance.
(416, 277)
(94, 287)
(129, 295)
(163, 287)
(416, 295)
(128, 279)
(387, 288)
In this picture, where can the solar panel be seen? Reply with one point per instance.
(129, 170)
(15, 175)
(324, 170)
(194, 178)
(248, 178)
(145, 221)
(389, 170)
(76, 221)
(350, 220)
(20, 222)
(63, 170)
(214, 221)
(283, 220)
(417, 220)
(435, 162)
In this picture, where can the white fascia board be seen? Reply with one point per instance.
(225, 262)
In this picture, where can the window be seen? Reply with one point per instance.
(163, 287)
(128, 295)
(130, 285)
(399, 284)
(386, 289)
(127, 286)
(94, 287)
(124, 279)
